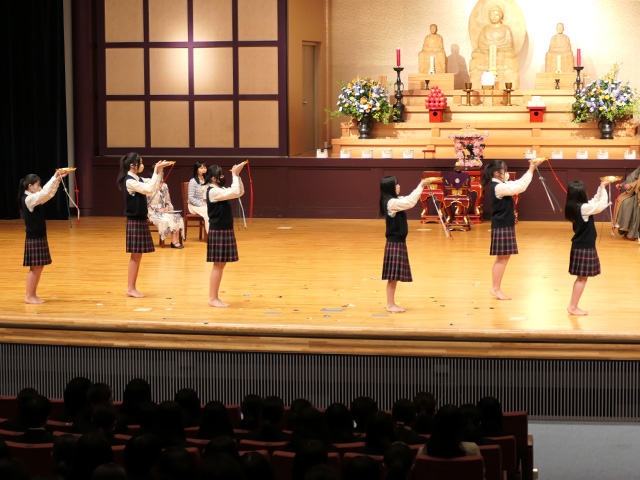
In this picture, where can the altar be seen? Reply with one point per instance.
(521, 122)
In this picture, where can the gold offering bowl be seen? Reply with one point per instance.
(611, 178)
(539, 160)
(66, 169)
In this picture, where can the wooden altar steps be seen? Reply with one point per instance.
(511, 132)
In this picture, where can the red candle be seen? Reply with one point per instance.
(398, 56)
(579, 57)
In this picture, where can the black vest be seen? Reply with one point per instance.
(220, 214)
(34, 222)
(136, 204)
(584, 233)
(397, 227)
(501, 209)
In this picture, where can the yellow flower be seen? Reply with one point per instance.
(368, 110)
(606, 97)
(368, 78)
(363, 100)
(582, 100)
(613, 108)
(354, 80)
(349, 86)
(601, 108)
(599, 91)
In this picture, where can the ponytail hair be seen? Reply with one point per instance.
(213, 172)
(125, 165)
(490, 169)
(387, 192)
(576, 196)
(23, 185)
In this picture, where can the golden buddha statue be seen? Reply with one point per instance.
(432, 58)
(559, 58)
(495, 52)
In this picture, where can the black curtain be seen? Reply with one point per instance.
(32, 93)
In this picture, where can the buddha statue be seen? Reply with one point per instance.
(560, 55)
(495, 40)
(433, 47)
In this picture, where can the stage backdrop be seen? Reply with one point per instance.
(364, 40)
(32, 93)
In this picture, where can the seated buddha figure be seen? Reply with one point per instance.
(506, 60)
(560, 47)
(433, 47)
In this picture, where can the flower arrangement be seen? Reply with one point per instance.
(469, 146)
(606, 98)
(364, 98)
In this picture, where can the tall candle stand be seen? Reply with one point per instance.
(557, 84)
(399, 106)
(508, 91)
(467, 89)
(578, 83)
(427, 84)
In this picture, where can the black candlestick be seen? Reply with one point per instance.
(557, 84)
(399, 106)
(578, 83)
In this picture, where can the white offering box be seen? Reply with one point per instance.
(320, 153)
(582, 155)
(488, 79)
(556, 155)
(409, 154)
(367, 154)
(603, 155)
(387, 153)
(345, 153)
(530, 155)
(629, 155)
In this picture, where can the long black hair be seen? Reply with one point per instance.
(214, 172)
(387, 192)
(23, 185)
(125, 164)
(576, 196)
(196, 167)
(490, 169)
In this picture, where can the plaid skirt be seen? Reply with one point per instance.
(503, 241)
(395, 265)
(584, 262)
(222, 246)
(139, 238)
(36, 252)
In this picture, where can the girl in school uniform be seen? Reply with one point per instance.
(196, 202)
(221, 242)
(584, 261)
(139, 239)
(503, 219)
(31, 196)
(395, 266)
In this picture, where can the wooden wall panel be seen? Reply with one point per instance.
(170, 124)
(259, 124)
(125, 71)
(213, 71)
(212, 21)
(168, 21)
(125, 124)
(169, 71)
(257, 20)
(214, 124)
(258, 70)
(123, 21)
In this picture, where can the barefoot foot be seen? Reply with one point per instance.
(33, 300)
(132, 292)
(395, 309)
(216, 302)
(576, 311)
(499, 295)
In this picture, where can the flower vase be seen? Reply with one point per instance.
(606, 128)
(364, 128)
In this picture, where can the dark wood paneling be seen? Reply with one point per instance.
(347, 188)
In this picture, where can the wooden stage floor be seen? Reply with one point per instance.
(313, 286)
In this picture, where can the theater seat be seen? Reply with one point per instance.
(459, 468)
